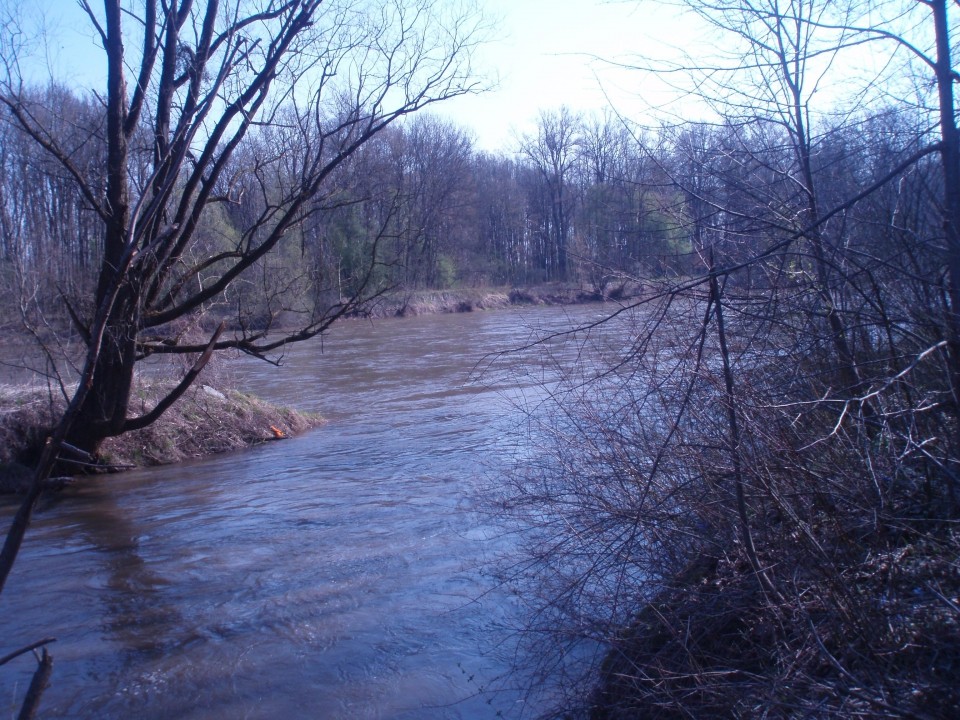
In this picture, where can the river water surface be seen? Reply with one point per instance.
(339, 574)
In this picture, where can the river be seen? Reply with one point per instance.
(339, 574)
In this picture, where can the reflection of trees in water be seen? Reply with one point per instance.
(321, 570)
(138, 612)
(140, 536)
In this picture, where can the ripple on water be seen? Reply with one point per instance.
(334, 575)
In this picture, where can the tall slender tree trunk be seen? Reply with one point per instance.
(103, 410)
(849, 371)
(950, 157)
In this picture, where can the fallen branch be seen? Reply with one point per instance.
(32, 646)
(41, 678)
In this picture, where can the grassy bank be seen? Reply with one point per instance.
(205, 421)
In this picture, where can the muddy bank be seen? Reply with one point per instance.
(210, 419)
(431, 302)
(207, 420)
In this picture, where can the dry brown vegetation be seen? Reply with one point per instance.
(206, 421)
(710, 534)
(432, 302)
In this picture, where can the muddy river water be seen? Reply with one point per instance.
(339, 574)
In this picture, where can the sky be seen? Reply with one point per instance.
(543, 54)
(552, 53)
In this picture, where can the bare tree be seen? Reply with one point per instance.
(725, 505)
(194, 93)
(622, 219)
(501, 219)
(430, 162)
(199, 81)
(208, 78)
(552, 153)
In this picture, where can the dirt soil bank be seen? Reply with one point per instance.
(432, 302)
(210, 420)
(205, 421)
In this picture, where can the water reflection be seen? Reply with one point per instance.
(137, 614)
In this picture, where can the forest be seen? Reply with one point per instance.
(580, 202)
(754, 508)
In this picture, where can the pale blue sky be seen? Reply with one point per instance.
(549, 54)
(544, 53)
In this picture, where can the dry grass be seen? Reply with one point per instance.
(205, 421)
(434, 302)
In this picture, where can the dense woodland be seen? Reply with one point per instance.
(753, 508)
(586, 200)
(581, 201)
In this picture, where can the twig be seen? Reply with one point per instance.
(32, 646)
(950, 603)
(41, 678)
(76, 451)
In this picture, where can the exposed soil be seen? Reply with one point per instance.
(432, 302)
(213, 419)
(205, 421)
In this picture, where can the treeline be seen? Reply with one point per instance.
(580, 200)
(753, 508)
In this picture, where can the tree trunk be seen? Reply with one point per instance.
(950, 156)
(103, 412)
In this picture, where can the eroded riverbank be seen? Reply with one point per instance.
(206, 421)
